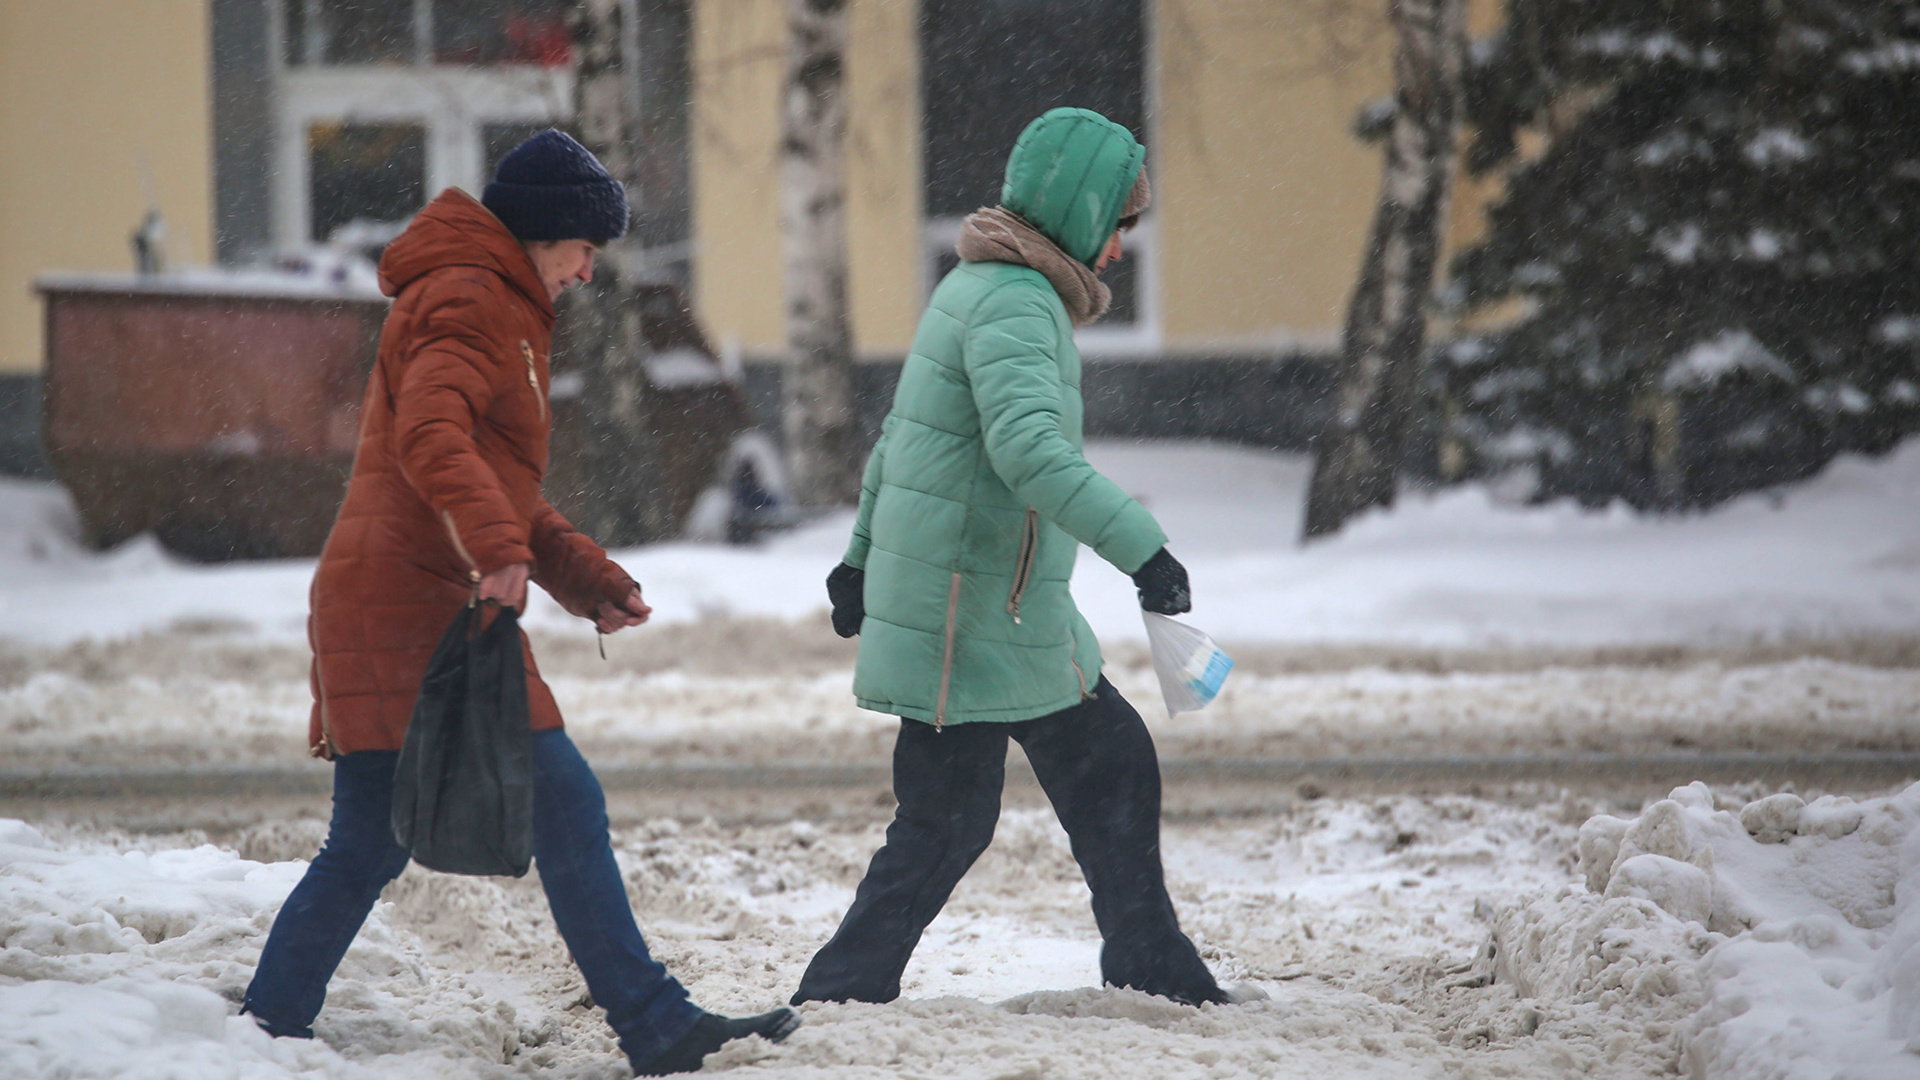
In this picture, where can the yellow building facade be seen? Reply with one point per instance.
(738, 65)
(1263, 197)
(104, 114)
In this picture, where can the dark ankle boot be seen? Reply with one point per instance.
(710, 1033)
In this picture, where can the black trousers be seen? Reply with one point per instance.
(1096, 763)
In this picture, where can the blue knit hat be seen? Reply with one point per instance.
(552, 188)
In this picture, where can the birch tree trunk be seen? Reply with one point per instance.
(823, 442)
(599, 332)
(1361, 449)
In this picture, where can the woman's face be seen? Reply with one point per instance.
(562, 263)
(1109, 254)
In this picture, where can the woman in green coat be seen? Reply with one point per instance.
(974, 504)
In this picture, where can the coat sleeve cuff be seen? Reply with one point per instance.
(1133, 541)
(856, 555)
(491, 557)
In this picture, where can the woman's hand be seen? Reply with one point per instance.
(508, 586)
(610, 617)
(847, 592)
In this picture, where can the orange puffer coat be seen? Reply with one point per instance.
(446, 479)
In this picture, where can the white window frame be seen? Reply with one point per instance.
(454, 103)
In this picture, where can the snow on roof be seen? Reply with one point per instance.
(683, 368)
(334, 282)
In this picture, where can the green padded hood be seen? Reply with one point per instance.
(1069, 175)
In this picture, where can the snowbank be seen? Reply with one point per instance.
(129, 963)
(1838, 555)
(124, 956)
(1735, 940)
(1788, 930)
(111, 963)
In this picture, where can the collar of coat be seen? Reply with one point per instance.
(996, 234)
(455, 230)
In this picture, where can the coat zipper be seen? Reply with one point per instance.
(533, 380)
(946, 662)
(473, 568)
(1074, 659)
(327, 749)
(1023, 571)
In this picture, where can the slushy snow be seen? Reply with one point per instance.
(1396, 937)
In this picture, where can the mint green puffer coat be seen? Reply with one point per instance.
(977, 497)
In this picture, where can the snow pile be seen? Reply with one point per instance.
(1730, 939)
(1790, 930)
(107, 960)
(128, 962)
(124, 956)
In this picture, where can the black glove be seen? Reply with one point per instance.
(1162, 582)
(847, 591)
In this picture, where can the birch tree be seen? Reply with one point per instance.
(600, 333)
(1360, 450)
(823, 442)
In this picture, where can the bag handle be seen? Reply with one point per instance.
(474, 603)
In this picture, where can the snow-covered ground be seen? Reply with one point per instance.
(1730, 934)
(163, 702)
(1395, 937)
(1839, 555)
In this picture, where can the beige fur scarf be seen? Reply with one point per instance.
(996, 234)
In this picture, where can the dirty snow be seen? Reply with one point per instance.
(1782, 932)
(1352, 915)
(1442, 937)
(160, 703)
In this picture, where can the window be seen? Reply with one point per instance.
(369, 176)
(350, 32)
(988, 68)
(381, 104)
(468, 33)
(501, 32)
(446, 88)
(497, 140)
(991, 66)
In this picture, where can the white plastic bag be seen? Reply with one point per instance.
(1191, 667)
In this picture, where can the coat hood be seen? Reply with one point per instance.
(455, 230)
(1069, 175)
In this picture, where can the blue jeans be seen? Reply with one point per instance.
(647, 1008)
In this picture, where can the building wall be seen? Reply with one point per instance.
(739, 61)
(104, 105)
(1263, 195)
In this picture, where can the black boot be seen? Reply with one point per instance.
(710, 1033)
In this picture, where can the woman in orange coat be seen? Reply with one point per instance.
(445, 504)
